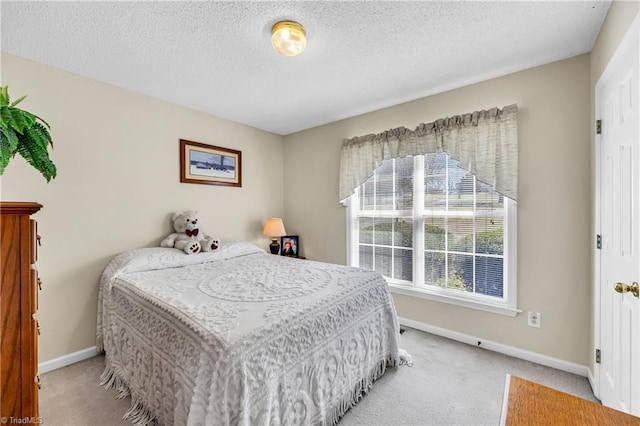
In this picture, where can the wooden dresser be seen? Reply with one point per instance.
(19, 328)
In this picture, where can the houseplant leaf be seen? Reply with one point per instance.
(4, 96)
(8, 146)
(24, 133)
(14, 103)
(34, 150)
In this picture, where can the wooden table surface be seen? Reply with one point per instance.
(528, 403)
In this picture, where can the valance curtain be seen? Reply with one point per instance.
(485, 143)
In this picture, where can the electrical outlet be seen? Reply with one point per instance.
(534, 319)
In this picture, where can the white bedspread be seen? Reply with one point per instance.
(238, 336)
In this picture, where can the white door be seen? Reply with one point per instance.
(619, 162)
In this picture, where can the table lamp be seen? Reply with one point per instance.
(274, 228)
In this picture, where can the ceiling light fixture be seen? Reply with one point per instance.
(288, 38)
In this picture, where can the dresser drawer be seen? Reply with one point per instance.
(35, 285)
(35, 328)
(35, 241)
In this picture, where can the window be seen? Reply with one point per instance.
(433, 230)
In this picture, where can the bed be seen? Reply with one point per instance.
(239, 336)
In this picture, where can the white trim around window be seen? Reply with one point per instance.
(507, 305)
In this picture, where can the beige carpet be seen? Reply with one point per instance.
(450, 383)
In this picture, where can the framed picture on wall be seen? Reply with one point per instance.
(210, 165)
(290, 245)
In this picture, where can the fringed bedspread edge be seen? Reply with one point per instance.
(138, 414)
(362, 388)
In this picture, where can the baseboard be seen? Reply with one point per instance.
(570, 367)
(63, 361)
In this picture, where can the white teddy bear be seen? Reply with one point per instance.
(188, 236)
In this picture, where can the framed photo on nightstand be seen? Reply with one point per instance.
(290, 245)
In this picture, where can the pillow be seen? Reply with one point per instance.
(152, 258)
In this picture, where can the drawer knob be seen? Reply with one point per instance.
(39, 239)
(37, 380)
(39, 283)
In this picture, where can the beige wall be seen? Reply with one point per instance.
(620, 16)
(98, 205)
(553, 209)
(118, 182)
(616, 25)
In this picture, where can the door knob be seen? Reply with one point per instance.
(625, 288)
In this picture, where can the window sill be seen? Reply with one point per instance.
(453, 300)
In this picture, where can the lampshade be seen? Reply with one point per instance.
(288, 38)
(274, 228)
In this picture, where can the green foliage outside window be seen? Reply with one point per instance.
(461, 267)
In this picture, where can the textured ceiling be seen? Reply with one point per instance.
(361, 56)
